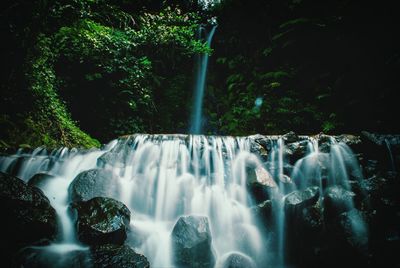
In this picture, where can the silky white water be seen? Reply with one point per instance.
(162, 177)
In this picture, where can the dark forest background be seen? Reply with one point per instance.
(82, 72)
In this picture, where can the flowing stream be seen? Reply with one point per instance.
(162, 177)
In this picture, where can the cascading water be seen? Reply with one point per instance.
(162, 177)
(62, 165)
(187, 175)
(201, 75)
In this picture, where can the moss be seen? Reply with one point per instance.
(49, 124)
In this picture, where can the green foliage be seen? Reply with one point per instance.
(50, 122)
(126, 66)
(115, 67)
(110, 65)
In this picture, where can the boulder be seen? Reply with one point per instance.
(346, 241)
(191, 242)
(296, 150)
(312, 218)
(261, 175)
(114, 256)
(260, 145)
(264, 211)
(236, 260)
(290, 137)
(40, 179)
(354, 230)
(304, 235)
(298, 199)
(27, 216)
(354, 142)
(94, 183)
(260, 184)
(337, 200)
(102, 220)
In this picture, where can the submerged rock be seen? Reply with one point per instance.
(338, 200)
(93, 183)
(102, 220)
(47, 257)
(264, 212)
(191, 241)
(112, 158)
(354, 230)
(301, 199)
(26, 215)
(40, 179)
(114, 256)
(236, 260)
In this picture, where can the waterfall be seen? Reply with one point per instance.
(201, 75)
(169, 176)
(162, 177)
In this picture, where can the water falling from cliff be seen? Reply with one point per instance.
(200, 82)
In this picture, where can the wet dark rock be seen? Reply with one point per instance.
(112, 158)
(353, 141)
(337, 200)
(381, 139)
(384, 148)
(46, 257)
(324, 142)
(300, 199)
(304, 235)
(94, 183)
(290, 137)
(260, 192)
(260, 145)
(312, 218)
(40, 179)
(27, 216)
(191, 241)
(258, 149)
(102, 220)
(303, 221)
(296, 150)
(99, 256)
(354, 230)
(264, 211)
(113, 256)
(260, 184)
(346, 241)
(237, 260)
